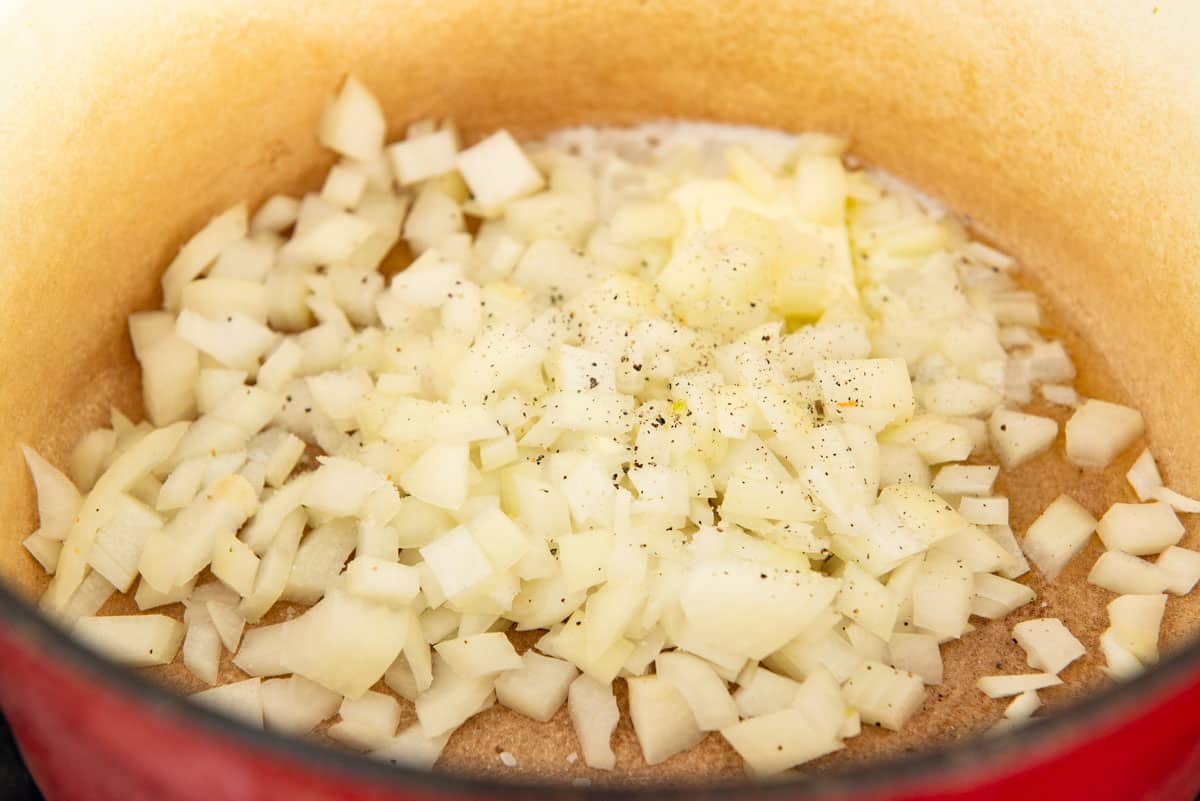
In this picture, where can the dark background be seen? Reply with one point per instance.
(15, 784)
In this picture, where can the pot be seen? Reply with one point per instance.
(1068, 131)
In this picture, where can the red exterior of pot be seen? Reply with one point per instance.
(86, 740)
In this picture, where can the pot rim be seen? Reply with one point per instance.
(945, 761)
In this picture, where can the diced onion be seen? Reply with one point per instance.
(699, 409)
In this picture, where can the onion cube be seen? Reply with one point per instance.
(261, 652)
(662, 719)
(705, 691)
(1182, 567)
(851, 386)
(385, 581)
(985, 511)
(594, 716)
(452, 699)
(918, 654)
(134, 640)
(719, 597)
(412, 749)
(201, 251)
(1018, 437)
(457, 561)
(296, 705)
(234, 563)
(1023, 706)
(774, 742)
(241, 700)
(942, 597)
(1048, 644)
(1134, 621)
(884, 695)
(352, 123)
(1121, 663)
(480, 654)
(1058, 534)
(497, 171)
(538, 687)
(344, 643)
(439, 476)
(202, 651)
(1139, 528)
(1126, 574)
(367, 722)
(422, 157)
(764, 692)
(1098, 431)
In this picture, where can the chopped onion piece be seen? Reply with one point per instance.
(994, 597)
(985, 511)
(662, 719)
(202, 651)
(594, 716)
(58, 499)
(777, 741)
(918, 654)
(344, 643)
(498, 171)
(1099, 431)
(261, 652)
(763, 692)
(705, 692)
(367, 722)
(1121, 664)
(412, 748)
(538, 687)
(422, 157)
(1060, 395)
(1023, 706)
(884, 695)
(1059, 533)
(1181, 503)
(1048, 644)
(1018, 437)
(134, 640)
(352, 123)
(1005, 686)
(296, 705)
(1144, 477)
(1134, 621)
(1139, 528)
(961, 479)
(1125, 574)
(241, 700)
(451, 700)
(382, 580)
(200, 252)
(480, 655)
(1182, 567)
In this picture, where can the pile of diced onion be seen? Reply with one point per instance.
(717, 411)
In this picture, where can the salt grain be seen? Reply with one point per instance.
(508, 760)
(572, 757)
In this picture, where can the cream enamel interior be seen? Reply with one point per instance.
(1068, 131)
